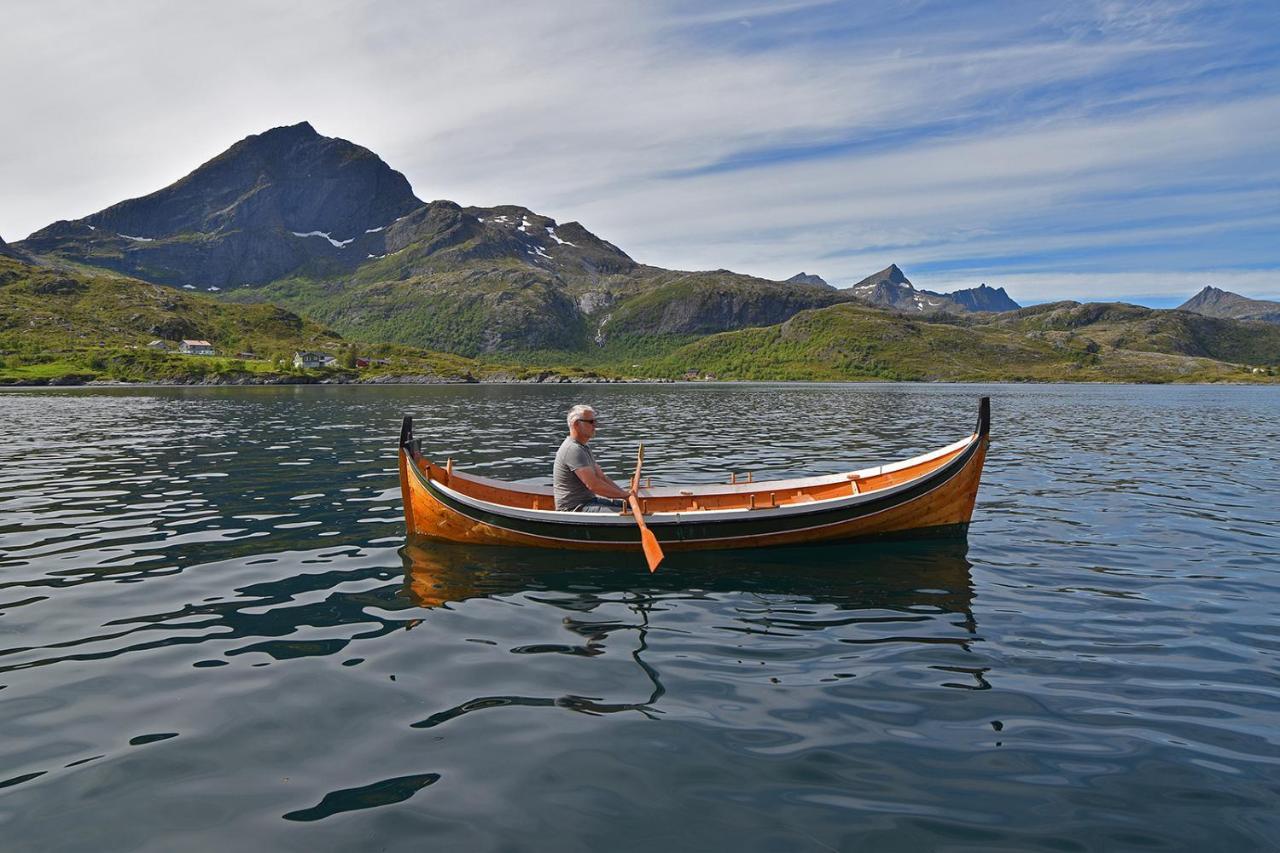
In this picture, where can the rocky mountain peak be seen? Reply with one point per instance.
(266, 206)
(890, 288)
(1215, 302)
(984, 298)
(1208, 292)
(892, 276)
(805, 278)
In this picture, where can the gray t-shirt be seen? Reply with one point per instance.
(570, 491)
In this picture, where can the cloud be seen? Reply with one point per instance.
(832, 137)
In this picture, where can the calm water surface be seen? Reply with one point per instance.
(212, 635)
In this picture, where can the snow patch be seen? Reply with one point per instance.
(551, 232)
(374, 230)
(139, 239)
(213, 289)
(377, 257)
(341, 244)
(90, 227)
(187, 287)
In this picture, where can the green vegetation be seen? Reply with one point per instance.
(499, 307)
(850, 342)
(69, 325)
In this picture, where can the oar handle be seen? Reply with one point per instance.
(635, 478)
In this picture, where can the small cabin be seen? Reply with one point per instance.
(309, 360)
(159, 345)
(190, 347)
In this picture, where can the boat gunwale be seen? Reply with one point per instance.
(755, 486)
(672, 518)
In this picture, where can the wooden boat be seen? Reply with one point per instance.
(928, 495)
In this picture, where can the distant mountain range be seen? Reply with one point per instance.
(326, 228)
(890, 288)
(1213, 302)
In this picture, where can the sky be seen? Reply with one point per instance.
(1083, 150)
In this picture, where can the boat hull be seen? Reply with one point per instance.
(939, 502)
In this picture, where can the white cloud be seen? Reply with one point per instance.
(940, 142)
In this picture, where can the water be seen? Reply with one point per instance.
(211, 636)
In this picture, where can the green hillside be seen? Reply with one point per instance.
(509, 308)
(74, 325)
(78, 324)
(1055, 343)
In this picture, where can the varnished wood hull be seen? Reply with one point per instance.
(931, 495)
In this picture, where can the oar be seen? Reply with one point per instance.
(652, 550)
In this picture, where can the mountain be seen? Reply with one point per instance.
(325, 228)
(890, 288)
(983, 298)
(505, 279)
(271, 204)
(805, 278)
(1213, 302)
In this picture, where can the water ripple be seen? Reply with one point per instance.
(208, 626)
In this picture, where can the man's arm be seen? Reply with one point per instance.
(594, 479)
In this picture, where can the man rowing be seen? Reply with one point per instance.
(580, 484)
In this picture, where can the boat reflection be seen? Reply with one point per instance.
(897, 576)
(910, 578)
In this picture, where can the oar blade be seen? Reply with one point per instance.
(652, 550)
(648, 542)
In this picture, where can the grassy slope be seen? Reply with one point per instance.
(64, 324)
(854, 342)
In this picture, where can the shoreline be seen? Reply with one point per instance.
(557, 379)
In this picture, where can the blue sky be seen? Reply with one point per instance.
(1082, 151)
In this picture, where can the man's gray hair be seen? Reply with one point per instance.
(578, 412)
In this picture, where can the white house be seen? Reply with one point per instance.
(310, 359)
(195, 347)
